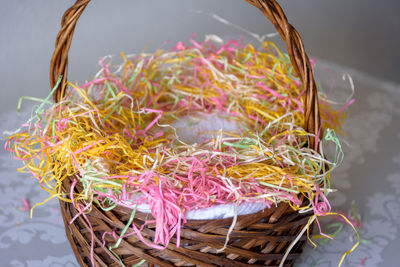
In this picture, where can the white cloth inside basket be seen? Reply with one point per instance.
(217, 211)
(195, 129)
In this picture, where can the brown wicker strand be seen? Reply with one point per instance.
(59, 60)
(300, 61)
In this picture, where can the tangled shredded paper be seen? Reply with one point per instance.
(115, 135)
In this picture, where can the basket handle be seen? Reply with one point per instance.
(270, 8)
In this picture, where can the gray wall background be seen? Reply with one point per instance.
(362, 34)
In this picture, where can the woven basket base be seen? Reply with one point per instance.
(259, 239)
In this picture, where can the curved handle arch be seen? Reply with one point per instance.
(270, 8)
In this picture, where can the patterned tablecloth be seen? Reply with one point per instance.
(369, 177)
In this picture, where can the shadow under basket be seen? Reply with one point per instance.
(259, 239)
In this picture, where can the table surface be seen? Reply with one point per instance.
(369, 177)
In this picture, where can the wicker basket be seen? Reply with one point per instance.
(259, 239)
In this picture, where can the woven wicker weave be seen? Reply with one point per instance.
(259, 239)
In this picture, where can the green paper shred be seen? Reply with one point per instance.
(139, 263)
(122, 234)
